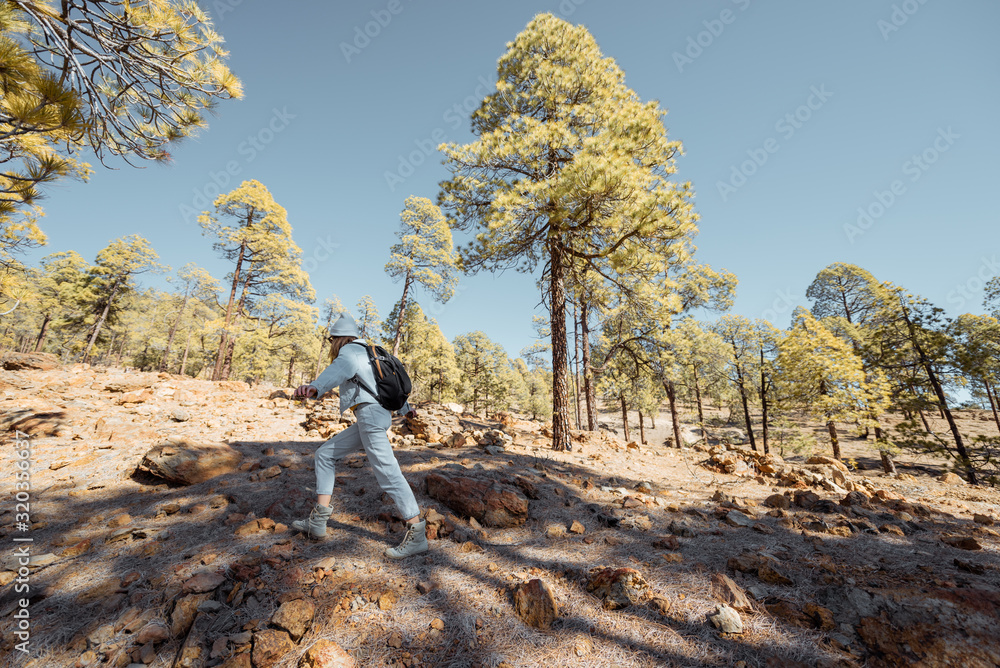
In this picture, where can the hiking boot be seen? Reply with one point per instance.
(315, 526)
(414, 542)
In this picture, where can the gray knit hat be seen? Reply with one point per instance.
(344, 326)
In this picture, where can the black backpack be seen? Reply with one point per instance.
(392, 383)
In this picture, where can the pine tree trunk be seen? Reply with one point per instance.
(942, 401)
(42, 332)
(993, 403)
(121, 350)
(224, 338)
(674, 416)
(557, 312)
(291, 366)
(625, 417)
(576, 367)
(697, 396)
(173, 330)
(746, 408)
(888, 465)
(589, 393)
(642, 430)
(228, 361)
(834, 441)
(763, 403)
(184, 361)
(923, 418)
(402, 311)
(100, 322)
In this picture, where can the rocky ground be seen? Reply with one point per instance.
(160, 505)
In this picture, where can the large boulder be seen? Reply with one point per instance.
(492, 503)
(188, 463)
(30, 361)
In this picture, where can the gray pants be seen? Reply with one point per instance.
(368, 433)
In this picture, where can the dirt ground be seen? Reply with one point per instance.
(908, 576)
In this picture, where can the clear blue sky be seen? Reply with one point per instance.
(886, 81)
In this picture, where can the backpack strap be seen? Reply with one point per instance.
(357, 378)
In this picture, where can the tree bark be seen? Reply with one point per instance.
(763, 402)
(42, 332)
(291, 366)
(184, 361)
(224, 338)
(674, 416)
(746, 408)
(993, 403)
(173, 330)
(624, 417)
(642, 430)
(834, 441)
(557, 313)
(576, 367)
(402, 310)
(888, 466)
(923, 418)
(697, 396)
(589, 393)
(100, 322)
(942, 401)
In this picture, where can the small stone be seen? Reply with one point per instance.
(270, 647)
(891, 528)
(724, 589)
(119, 520)
(395, 640)
(180, 415)
(962, 542)
(295, 617)
(535, 604)
(437, 624)
(726, 619)
(737, 519)
(970, 567)
(555, 531)
(777, 501)
(577, 528)
(203, 582)
(426, 587)
(152, 633)
(985, 520)
(951, 479)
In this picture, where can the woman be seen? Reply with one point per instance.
(348, 364)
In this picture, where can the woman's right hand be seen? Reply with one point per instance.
(305, 391)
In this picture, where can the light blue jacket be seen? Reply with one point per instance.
(351, 361)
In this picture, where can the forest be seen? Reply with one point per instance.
(656, 480)
(574, 180)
